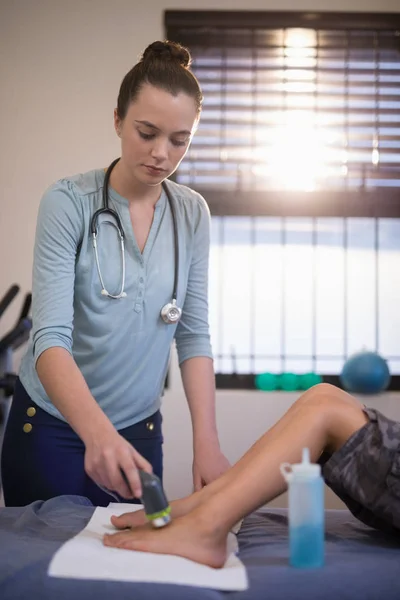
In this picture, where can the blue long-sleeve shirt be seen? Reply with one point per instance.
(122, 347)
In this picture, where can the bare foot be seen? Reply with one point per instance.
(186, 536)
(179, 508)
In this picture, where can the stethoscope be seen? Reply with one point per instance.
(170, 313)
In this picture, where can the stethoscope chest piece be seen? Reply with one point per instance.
(171, 313)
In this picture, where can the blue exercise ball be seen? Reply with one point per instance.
(365, 373)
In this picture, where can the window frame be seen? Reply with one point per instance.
(333, 203)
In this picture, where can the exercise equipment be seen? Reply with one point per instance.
(288, 382)
(365, 372)
(17, 336)
(308, 380)
(266, 382)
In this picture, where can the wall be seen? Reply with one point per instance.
(60, 70)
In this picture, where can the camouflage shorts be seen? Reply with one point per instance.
(365, 472)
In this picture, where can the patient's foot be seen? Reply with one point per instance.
(190, 536)
(179, 508)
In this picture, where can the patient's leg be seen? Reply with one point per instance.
(313, 397)
(322, 420)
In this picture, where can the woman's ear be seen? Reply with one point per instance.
(117, 123)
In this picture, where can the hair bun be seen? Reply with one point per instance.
(167, 51)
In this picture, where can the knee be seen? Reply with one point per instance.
(322, 393)
(325, 397)
(333, 411)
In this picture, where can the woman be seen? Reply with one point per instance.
(86, 409)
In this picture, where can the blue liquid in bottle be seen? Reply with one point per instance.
(306, 545)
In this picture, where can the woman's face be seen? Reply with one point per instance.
(156, 133)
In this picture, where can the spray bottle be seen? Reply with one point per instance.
(306, 512)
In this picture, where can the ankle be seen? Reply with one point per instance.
(209, 519)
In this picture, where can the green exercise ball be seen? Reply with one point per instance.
(308, 380)
(288, 382)
(266, 382)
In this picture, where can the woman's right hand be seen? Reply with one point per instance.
(107, 455)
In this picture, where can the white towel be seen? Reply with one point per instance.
(85, 557)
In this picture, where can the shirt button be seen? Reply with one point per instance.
(141, 280)
(31, 412)
(27, 427)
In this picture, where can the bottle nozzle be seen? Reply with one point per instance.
(306, 456)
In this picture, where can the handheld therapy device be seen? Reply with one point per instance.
(155, 503)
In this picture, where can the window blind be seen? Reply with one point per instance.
(295, 103)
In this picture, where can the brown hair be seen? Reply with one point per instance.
(164, 65)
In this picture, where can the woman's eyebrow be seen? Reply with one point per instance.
(148, 124)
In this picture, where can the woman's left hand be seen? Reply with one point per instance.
(208, 464)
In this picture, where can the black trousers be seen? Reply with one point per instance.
(42, 457)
